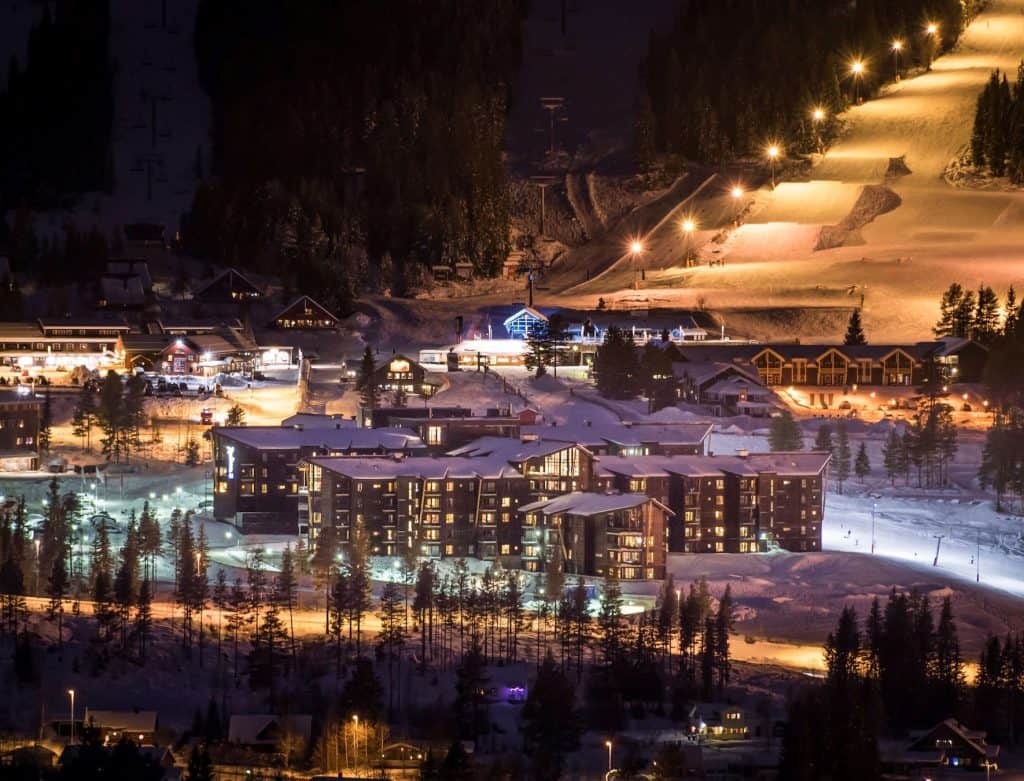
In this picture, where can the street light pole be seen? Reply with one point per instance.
(856, 70)
(773, 154)
(71, 693)
(897, 45)
(874, 506)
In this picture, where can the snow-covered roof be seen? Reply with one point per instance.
(700, 373)
(736, 384)
(310, 307)
(345, 438)
(441, 468)
(658, 466)
(122, 720)
(586, 503)
(315, 420)
(254, 729)
(529, 311)
(796, 463)
(623, 434)
(513, 451)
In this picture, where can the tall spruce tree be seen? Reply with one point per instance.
(843, 457)
(784, 434)
(855, 330)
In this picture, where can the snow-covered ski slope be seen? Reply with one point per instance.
(937, 234)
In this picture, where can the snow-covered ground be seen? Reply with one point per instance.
(773, 284)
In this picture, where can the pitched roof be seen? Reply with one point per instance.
(786, 464)
(232, 274)
(527, 310)
(310, 307)
(346, 438)
(440, 468)
(700, 373)
(587, 503)
(316, 420)
(514, 451)
(265, 728)
(623, 434)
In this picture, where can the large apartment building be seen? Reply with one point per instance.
(729, 504)
(597, 533)
(465, 504)
(258, 469)
(513, 499)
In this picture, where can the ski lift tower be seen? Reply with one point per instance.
(555, 106)
(543, 182)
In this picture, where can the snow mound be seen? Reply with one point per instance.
(897, 167)
(874, 200)
(546, 383)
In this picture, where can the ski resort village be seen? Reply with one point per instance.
(548, 389)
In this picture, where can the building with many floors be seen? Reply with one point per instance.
(19, 431)
(258, 469)
(506, 498)
(597, 533)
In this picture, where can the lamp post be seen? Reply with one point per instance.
(931, 30)
(636, 248)
(689, 225)
(71, 694)
(773, 155)
(874, 507)
(897, 47)
(36, 543)
(857, 72)
(355, 737)
(608, 744)
(817, 117)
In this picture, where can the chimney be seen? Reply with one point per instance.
(742, 452)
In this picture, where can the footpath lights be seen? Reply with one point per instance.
(897, 47)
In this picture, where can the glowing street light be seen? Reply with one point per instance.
(857, 72)
(636, 247)
(931, 28)
(773, 152)
(737, 195)
(897, 47)
(817, 117)
(608, 745)
(689, 226)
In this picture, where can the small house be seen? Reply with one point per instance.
(305, 314)
(525, 323)
(268, 731)
(959, 746)
(230, 286)
(402, 372)
(113, 725)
